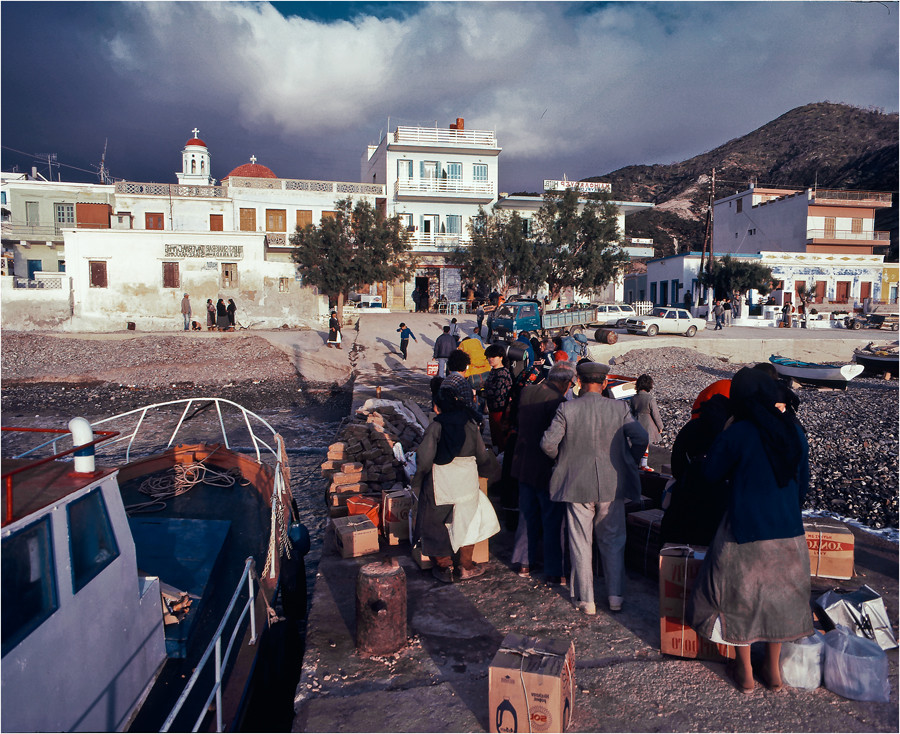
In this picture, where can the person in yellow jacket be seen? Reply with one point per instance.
(478, 364)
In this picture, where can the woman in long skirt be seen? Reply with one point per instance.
(754, 583)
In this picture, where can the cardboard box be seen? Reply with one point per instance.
(355, 535)
(644, 503)
(367, 506)
(482, 551)
(653, 484)
(678, 568)
(830, 546)
(642, 541)
(531, 685)
(423, 562)
(395, 507)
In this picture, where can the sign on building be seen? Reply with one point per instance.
(584, 187)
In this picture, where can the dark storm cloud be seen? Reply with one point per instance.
(574, 88)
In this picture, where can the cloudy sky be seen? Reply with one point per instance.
(579, 89)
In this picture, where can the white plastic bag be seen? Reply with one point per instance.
(801, 662)
(855, 667)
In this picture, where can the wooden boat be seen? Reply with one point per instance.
(814, 373)
(123, 610)
(878, 359)
(620, 387)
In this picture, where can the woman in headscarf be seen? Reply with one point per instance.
(754, 583)
(232, 310)
(221, 315)
(210, 314)
(453, 513)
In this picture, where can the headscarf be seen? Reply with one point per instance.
(719, 387)
(453, 418)
(753, 397)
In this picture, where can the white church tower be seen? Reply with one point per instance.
(195, 160)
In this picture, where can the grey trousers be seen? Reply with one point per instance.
(604, 521)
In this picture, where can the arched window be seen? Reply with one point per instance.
(202, 166)
(193, 165)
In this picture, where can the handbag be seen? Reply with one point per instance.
(861, 611)
(431, 369)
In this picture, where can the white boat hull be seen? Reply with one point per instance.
(826, 375)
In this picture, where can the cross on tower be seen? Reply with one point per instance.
(196, 132)
(253, 159)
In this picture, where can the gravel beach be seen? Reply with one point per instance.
(852, 434)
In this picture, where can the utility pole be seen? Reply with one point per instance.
(707, 236)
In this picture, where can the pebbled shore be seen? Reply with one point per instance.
(852, 434)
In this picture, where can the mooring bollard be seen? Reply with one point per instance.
(380, 609)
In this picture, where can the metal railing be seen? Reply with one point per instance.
(17, 231)
(852, 196)
(437, 242)
(291, 184)
(133, 188)
(445, 136)
(847, 234)
(443, 187)
(215, 646)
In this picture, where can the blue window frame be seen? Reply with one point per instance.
(480, 172)
(29, 582)
(91, 539)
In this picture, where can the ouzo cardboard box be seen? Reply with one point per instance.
(531, 685)
(355, 535)
(831, 549)
(395, 507)
(678, 568)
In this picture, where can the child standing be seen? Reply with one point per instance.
(405, 334)
(646, 412)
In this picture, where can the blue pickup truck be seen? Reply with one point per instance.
(527, 315)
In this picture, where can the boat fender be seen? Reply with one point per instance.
(299, 536)
(82, 434)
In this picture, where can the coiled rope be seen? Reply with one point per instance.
(181, 480)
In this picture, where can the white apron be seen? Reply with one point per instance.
(473, 518)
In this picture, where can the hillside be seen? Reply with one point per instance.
(824, 144)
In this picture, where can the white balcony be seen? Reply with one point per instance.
(444, 188)
(440, 137)
(436, 242)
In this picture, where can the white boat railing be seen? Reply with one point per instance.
(215, 646)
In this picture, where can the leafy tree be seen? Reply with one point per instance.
(581, 250)
(355, 247)
(732, 277)
(500, 254)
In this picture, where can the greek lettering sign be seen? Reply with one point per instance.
(585, 187)
(231, 252)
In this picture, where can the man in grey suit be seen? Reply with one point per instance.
(598, 447)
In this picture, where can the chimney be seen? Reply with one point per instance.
(460, 123)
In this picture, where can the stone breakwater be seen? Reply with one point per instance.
(853, 449)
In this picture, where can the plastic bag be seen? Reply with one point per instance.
(862, 612)
(801, 662)
(855, 667)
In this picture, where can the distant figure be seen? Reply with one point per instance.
(231, 311)
(646, 412)
(210, 314)
(787, 311)
(405, 335)
(454, 330)
(334, 332)
(479, 318)
(443, 346)
(719, 313)
(727, 306)
(186, 311)
(221, 315)
(415, 299)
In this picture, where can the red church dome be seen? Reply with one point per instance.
(194, 141)
(252, 170)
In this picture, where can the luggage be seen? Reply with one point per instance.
(861, 612)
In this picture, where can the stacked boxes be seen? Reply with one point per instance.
(396, 504)
(678, 568)
(531, 685)
(642, 541)
(355, 535)
(831, 548)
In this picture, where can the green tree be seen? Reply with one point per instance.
(500, 254)
(359, 245)
(578, 249)
(733, 277)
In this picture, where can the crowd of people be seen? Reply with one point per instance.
(219, 316)
(566, 458)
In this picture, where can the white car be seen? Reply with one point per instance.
(613, 314)
(665, 321)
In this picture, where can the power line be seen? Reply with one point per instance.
(43, 159)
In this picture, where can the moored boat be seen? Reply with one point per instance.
(814, 373)
(620, 387)
(878, 358)
(140, 578)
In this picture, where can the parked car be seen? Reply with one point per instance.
(614, 314)
(873, 321)
(665, 321)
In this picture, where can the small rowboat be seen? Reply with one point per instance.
(878, 358)
(619, 387)
(814, 373)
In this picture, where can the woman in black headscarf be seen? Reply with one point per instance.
(754, 584)
(453, 514)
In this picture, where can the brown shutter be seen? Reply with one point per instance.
(98, 274)
(170, 275)
(304, 217)
(216, 222)
(248, 220)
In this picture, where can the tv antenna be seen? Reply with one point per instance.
(102, 172)
(51, 161)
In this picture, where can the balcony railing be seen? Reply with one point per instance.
(846, 234)
(292, 184)
(19, 231)
(445, 136)
(436, 242)
(455, 187)
(132, 188)
(867, 198)
(276, 239)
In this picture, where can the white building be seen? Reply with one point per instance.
(435, 179)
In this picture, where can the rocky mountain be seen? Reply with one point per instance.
(824, 144)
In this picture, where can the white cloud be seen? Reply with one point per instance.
(600, 86)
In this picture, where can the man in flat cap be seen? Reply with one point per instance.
(598, 447)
